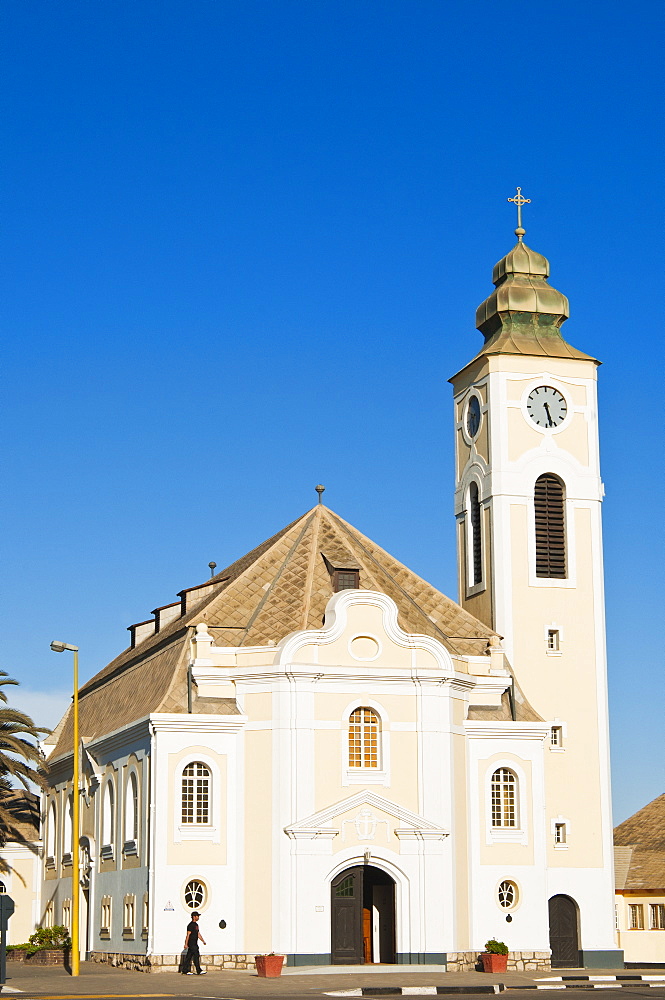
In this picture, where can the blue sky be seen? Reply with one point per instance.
(242, 247)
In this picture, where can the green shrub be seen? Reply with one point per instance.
(48, 937)
(495, 947)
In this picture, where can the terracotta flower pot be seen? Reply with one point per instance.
(494, 963)
(269, 966)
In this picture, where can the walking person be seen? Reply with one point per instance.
(192, 945)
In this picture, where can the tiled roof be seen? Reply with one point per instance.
(639, 848)
(24, 807)
(279, 587)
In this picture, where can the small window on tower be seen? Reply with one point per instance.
(552, 640)
(560, 833)
(346, 579)
(556, 736)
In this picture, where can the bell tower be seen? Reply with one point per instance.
(528, 508)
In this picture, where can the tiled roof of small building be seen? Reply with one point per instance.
(639, 848)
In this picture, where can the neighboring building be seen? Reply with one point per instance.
(331, 759)
(639, 861)
(23, 854)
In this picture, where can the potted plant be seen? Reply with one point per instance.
(269, 966)
(495, 956)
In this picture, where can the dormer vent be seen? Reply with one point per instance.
(141, 631)
(167, 613)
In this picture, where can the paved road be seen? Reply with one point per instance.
(214, 993)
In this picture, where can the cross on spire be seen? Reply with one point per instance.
(519, 201)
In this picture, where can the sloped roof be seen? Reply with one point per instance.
(279, 587)
(639, 848)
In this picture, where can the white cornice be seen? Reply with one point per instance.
(199, 723)
(507, 730)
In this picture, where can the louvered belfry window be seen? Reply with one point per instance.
(476, 539)
(550, 527)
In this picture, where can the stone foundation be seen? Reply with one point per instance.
(170, 963)
(518, 961)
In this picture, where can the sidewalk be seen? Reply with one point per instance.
(317, 980)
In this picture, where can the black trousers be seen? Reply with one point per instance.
(192, 956)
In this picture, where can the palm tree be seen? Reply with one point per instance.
(20, 762)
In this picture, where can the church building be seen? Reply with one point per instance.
(332, 760)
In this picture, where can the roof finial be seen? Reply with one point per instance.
(212, 566)
(320, 490)
(519, 201)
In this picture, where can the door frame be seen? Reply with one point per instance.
(397, 877)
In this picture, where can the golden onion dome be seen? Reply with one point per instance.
(521, 288)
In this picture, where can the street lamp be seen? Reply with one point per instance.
(60, 647)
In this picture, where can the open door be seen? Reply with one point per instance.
(363, 917)
(347, 917)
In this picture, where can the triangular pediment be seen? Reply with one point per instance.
(321, 824)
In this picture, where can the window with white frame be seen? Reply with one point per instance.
(67, 832)
(552, 640)
(128, 916)
(636, 916)
(196, 794)
(560, 834)
(67, 914)
(132, 810)
(48, 920)
(507, 895)
(364, 738)
(51, 836)
(3, 888)
(657, 916)
(108, 818)
(556, 736)
(105, 916)
(145, 914)
(504, 799)
(195, 894)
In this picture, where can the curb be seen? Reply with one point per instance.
(586, 985)
(412, 991)
(600, 979)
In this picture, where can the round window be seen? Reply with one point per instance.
(507, 895)
(195, 894)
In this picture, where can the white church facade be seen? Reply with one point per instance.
(332, 760)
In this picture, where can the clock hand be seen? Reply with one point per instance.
(549, 415)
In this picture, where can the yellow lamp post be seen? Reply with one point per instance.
(60, 647)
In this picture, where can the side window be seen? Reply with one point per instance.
(67, 830)
(364, 735)
(108, 815)
(132, 809)
(50, 833)
(196, 794)
(475, 537)
(548, 499)
(504, 798)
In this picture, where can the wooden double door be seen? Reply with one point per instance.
(564, 940)
(363, 916)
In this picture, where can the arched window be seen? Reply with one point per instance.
(504, 798)
(550, 527)
(475, 537)
(196, 794)
(364, 738)
(108, 815)
(3, 888)
(195, 894)
(67, 832)
(132, 809)
(50, 832)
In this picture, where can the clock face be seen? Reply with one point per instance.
(546, 406)
(473, 416)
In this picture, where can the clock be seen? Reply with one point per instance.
(546, 406)
(473, 416)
